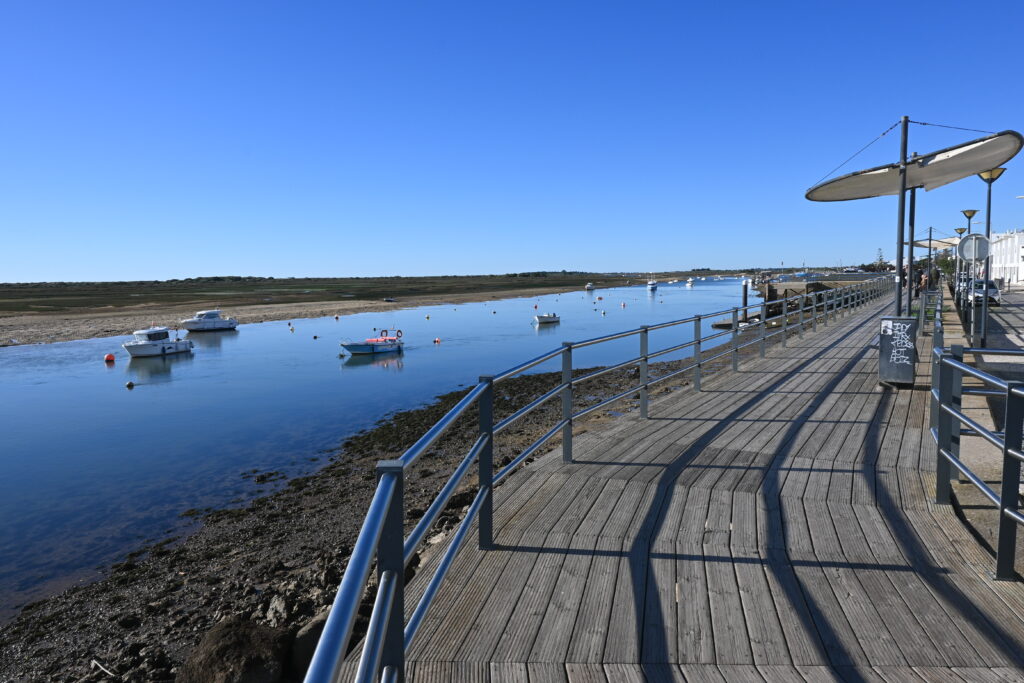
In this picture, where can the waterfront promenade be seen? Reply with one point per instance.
(777, 526)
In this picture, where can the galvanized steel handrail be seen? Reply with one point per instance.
(947, 427)
(388, 637)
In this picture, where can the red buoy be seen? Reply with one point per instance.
(109, 358)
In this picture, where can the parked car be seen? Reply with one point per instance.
(980, 290)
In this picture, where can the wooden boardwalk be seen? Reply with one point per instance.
(775, 527)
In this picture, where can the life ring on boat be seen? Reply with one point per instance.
(398, 334)
(383, 333)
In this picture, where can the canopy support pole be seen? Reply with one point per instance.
(910, 248)
(930, 266)
(902, 211)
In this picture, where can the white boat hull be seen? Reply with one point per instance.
(209, 325)
(366, 349)
(545, 319)
(157, 348)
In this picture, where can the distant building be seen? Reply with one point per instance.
(1007, 251)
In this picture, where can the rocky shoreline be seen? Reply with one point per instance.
(267, 573)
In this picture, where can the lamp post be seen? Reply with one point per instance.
(970, 213)
(956, 282)
(989, 177)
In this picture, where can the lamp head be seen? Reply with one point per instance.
(991, 176)
(969, 213)
(959, 231)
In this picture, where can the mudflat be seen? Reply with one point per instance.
(51, 312)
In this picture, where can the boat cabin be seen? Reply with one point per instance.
(151, 335)
(208, 315)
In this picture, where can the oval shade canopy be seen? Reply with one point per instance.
(928, 171)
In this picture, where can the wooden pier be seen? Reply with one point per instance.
(777, 526)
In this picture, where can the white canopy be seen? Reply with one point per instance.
(937, 242)
(928, 171)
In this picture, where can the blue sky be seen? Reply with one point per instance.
(152, 140)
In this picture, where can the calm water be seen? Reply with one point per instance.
(92, 470)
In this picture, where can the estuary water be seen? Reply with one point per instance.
(92, 470)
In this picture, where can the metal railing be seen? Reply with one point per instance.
(388, 637)
(949, 424)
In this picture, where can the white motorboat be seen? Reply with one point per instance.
(589, 287)
(155, 341)
(546, 318)
(208, 321)
(385, 343)
(652, 284)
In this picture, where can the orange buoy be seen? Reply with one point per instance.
(600, 298)
(109, 358)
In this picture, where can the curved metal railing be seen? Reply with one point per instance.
(381, 536)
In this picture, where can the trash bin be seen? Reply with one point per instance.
(897, 350)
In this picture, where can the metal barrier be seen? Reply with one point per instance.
(948, 423)
(381, 537)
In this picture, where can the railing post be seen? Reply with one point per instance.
(814, 312)
(696, 353)
(643, 371)
(735, 339)
(567, 401)
(800, 318)
(764, 328)
(486, 462)
(945, 432)
(1013, 427)
(957, 352)
(785, 321)
(391, 558)
(824, 307)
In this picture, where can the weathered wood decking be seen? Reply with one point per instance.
(775, 527)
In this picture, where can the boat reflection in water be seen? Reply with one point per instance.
(206, 340)
(393, 362)
(545, 330)
(155, 369)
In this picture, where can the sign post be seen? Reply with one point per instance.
(974, 248)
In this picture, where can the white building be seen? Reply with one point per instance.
(1007, 251)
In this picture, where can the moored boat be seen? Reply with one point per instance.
(546, 318)
(589, 287)
(208, 321)
(384, 343)
(155, 341)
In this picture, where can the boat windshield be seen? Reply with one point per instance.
(156, 336)
(210, 314)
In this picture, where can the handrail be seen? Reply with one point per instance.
(947, 422)
(381, 535)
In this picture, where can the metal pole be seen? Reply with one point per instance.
(988, 263)
(391, 558)
(970, 301)
(910, 247)
(486, 480)
(931, 266)
(785, 321)
(800, 318)
(696, 353)
(643, 371)
(567, 401)
(902, 211)
(1013, 426)
(764, 328)
(814, 312)
(735, 339)
(945, 432)
(745, 299)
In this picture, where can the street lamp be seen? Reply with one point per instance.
(970, 214)
(989, 177)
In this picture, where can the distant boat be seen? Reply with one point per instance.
(389, 299)
(589, 287)
(385, 343)
(208, 321)
(155, 341)
(546, 318)
(652, 284)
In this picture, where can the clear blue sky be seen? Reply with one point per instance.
(152, 140)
